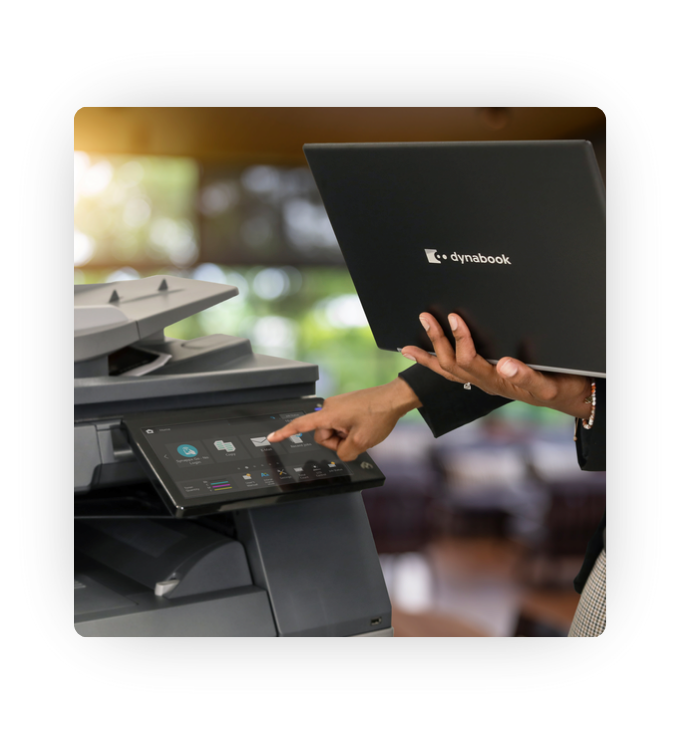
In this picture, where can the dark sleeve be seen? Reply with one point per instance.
(591, 450)
(447, 405)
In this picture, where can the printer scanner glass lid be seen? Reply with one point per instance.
(219, 459)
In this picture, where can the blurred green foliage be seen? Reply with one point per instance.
(138, 217)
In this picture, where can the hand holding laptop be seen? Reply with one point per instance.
(509, 378)
(351, 423)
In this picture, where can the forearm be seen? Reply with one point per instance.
(402, 396)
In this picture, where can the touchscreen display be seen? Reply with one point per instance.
(203, 460)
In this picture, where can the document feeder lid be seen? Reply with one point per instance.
(111, 316)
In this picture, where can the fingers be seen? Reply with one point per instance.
(346, 451)
(328, 438)
(347, 447)
(301, 424)
(427, 360)
(445, 361)
(466, 354)
(442, 346)
(461, 365)
(323, 434)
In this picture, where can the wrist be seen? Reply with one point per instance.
(401, 396)
(578, 405)
(584, 403)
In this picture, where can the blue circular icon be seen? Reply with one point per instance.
(186, 450)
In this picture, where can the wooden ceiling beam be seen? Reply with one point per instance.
(242, 135)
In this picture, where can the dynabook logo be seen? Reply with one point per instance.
(434, 256)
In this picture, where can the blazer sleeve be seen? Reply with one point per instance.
(447, 405)
(591, 450)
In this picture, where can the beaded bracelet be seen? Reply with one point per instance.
(589, 423)
(593, 401)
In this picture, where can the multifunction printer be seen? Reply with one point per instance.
(188, 521)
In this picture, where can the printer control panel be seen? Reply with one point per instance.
(207, 460)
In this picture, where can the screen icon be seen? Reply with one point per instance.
(297, 470)
(225, 446)
(260, 441)
(247, 476)
(296, 439)
(186, 450)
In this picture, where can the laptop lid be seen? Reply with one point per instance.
(509, 235)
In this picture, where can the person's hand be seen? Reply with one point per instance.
(351, 423)
(509, 378)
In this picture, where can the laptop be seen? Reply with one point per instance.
(509, 235)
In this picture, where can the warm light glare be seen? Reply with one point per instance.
(96, 178)
(276, 334)
(83, 248)
(122, 275)
(136, 212)
(131, 173)
(271, 283)
(81, 162)
(176, 237)
(344, 311)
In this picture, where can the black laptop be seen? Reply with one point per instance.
(509, 235)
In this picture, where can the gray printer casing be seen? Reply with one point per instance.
(307, 568)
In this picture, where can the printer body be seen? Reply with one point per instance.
(187, 521)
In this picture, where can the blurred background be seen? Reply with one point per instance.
(481, 531)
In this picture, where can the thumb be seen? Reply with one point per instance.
(538, 385)
(348, 449)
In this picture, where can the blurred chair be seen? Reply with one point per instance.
(454, 520)
(486, 488)
(535, 627)
(400, 511)
(575, 508)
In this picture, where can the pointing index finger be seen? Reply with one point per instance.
(301, 424)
